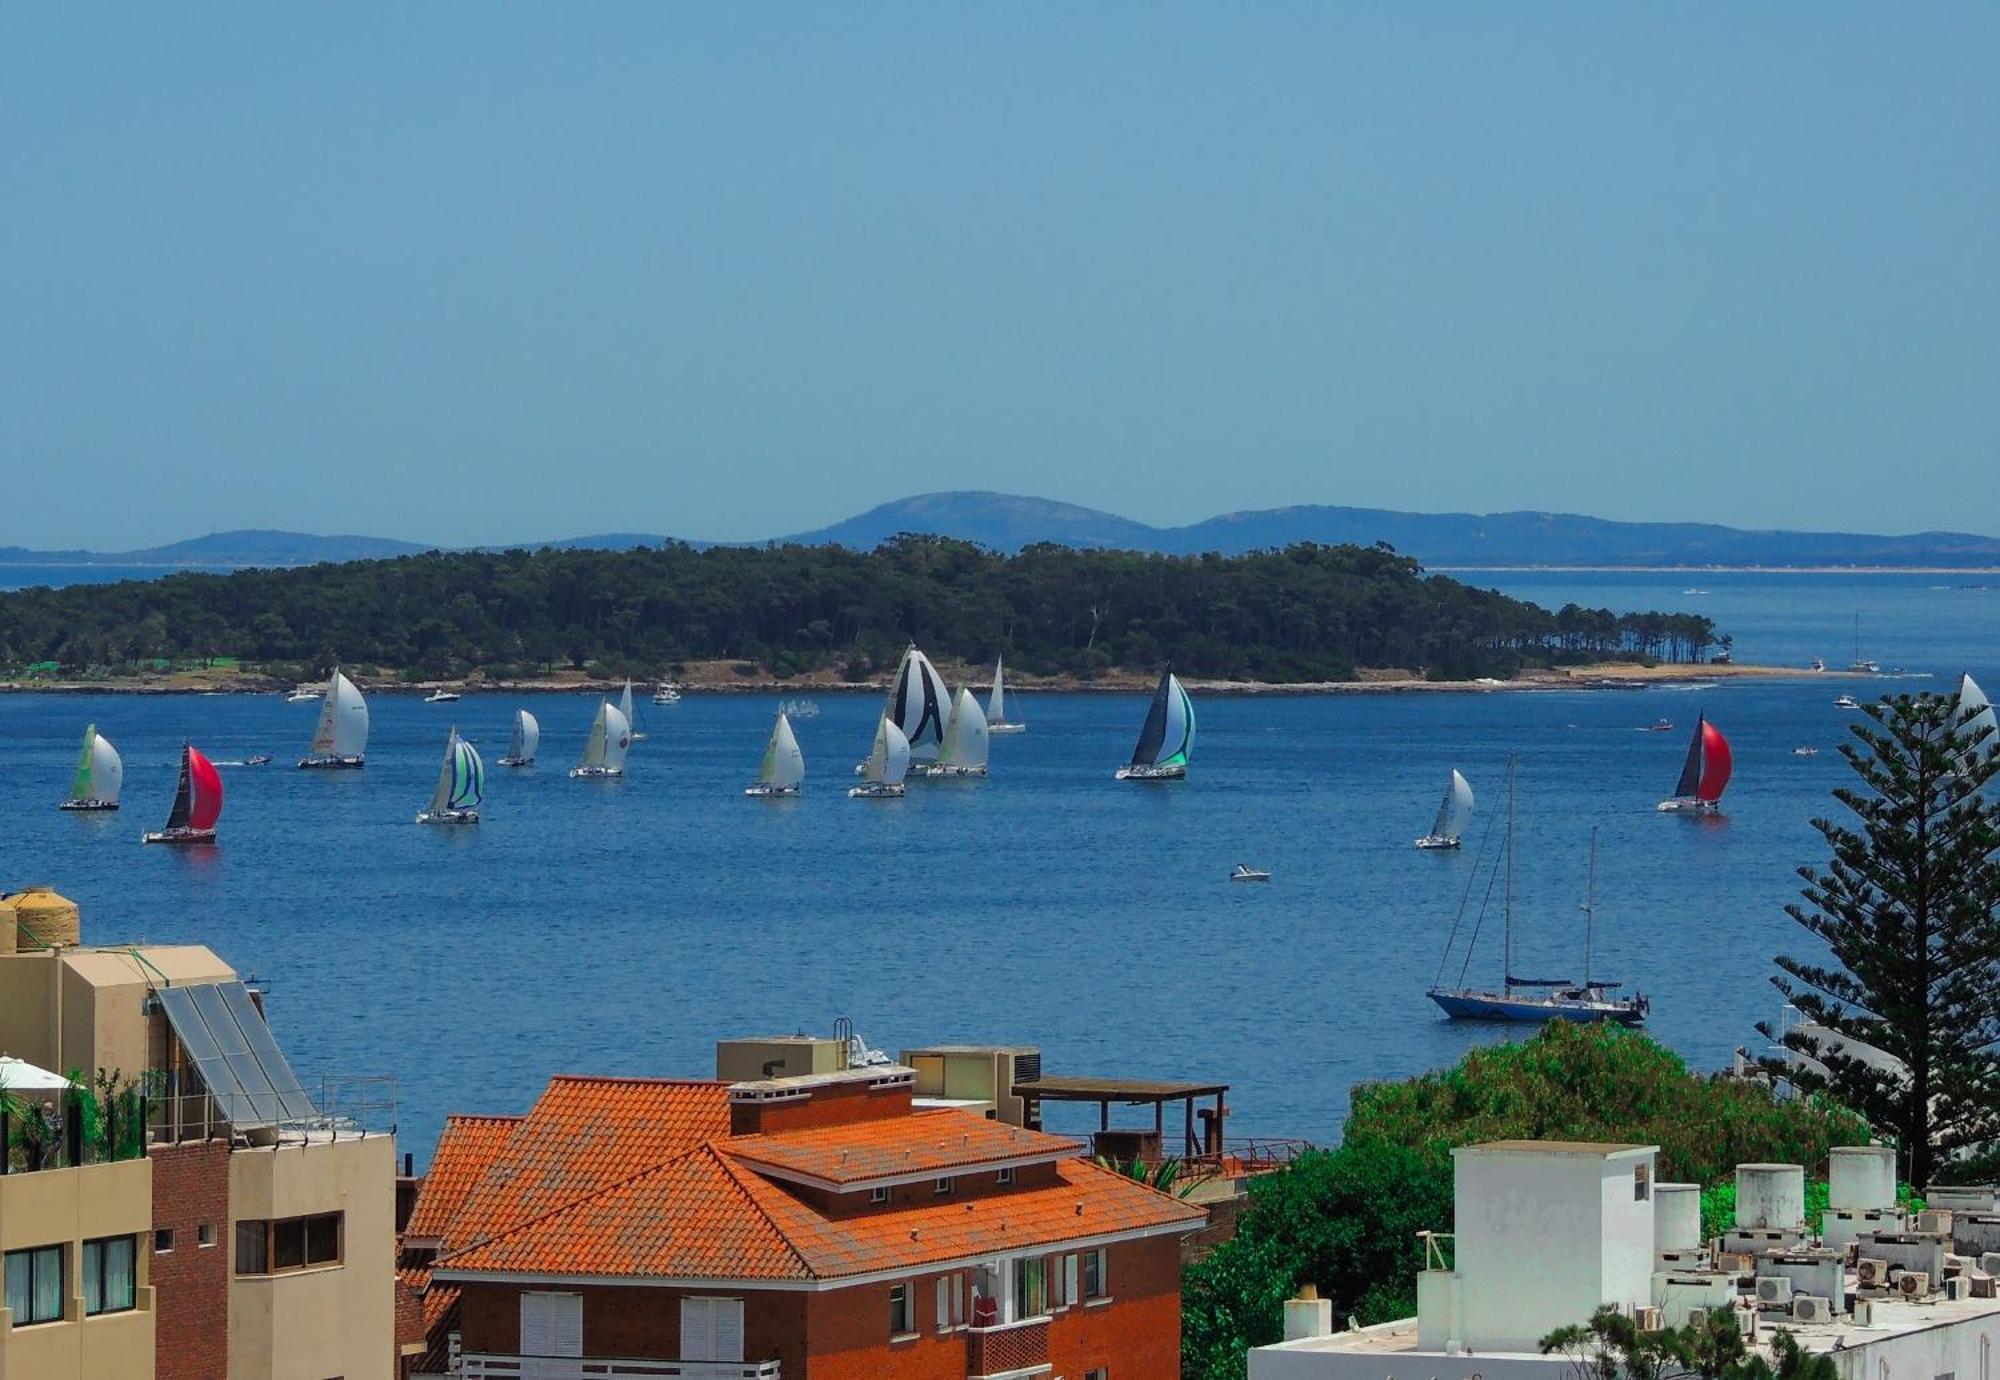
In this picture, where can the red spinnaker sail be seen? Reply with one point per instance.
(206, 806)
(1715, 763)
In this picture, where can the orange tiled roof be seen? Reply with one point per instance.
(923, 1143)
(467, 1146)
(582, 1136)
(706, 1216)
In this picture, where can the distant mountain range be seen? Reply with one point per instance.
(1009, 522)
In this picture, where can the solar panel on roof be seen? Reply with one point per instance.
(251, 1081)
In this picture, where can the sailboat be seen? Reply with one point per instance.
(784, 766)
(1167, 737)
(882, 774)
(1975, 718)
(461, 785)
(1533, 999)
(1454, 813)
(917, 704)
(996, 704)
(197, 802)
(610, 737)
(99, 775)
(1703, 775)
(964, 750)
(1861, 663)
(629, 710)
(341, 739)
(522, 742)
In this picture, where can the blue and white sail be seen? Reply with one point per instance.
(1166, 740)
(918, 704)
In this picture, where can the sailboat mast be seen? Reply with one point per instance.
(1590, 910)
(1507, 946)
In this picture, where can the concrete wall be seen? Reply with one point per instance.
(327, 1320)
(69, 1207)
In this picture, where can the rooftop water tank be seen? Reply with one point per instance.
(1676, 1217)
(37, 918)
(1861, 1177)
(1771, 1196)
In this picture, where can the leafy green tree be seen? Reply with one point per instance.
(1612, 1346)
(1907, 1003)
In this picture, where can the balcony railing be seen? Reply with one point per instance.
(1007, 1347)
(480, 1365)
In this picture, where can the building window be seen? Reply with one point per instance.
(1004, 1176)
(110, 1266)
(878, 1195)
(1067, 1281)
(900, 1322)
(1640, 1189)
(163, 1240)
(204, 1235)
(1099, 1374)
(34, 1285)
(1096, 1274)
(551, 1324)
(950, 1302)
(287, 1243)
(711, 1329)
(942, 1186)
(1031, 1288)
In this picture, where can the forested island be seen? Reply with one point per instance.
(1305, 613)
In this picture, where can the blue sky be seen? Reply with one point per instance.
(485, 272)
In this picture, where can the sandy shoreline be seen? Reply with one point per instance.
(704, 680)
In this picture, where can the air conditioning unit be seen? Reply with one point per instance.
(1773, 1291)
(1648, 1319)
(1989, 1263)
(1871, 1272)
(1957, 1287)
(1810, 1308)
(1697, 1318)
(1935, 1222)
(1863, 1312)
(1913, 1284)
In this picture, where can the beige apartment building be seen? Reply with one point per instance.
(262, 1214)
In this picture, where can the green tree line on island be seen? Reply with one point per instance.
(1304, 613)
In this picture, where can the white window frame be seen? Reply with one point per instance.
(551, 1333)
(950, 1302)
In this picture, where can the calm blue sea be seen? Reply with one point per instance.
(622, 927)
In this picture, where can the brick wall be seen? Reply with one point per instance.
(1137, 1335)
(639, 1322)
(835, 1104)
(191, 1281)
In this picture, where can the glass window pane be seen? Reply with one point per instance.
(47, 1304)
(288, 1244)
(121, 1255)
(20, 1271)
(252, 1248)
(323, 1239)
(93, 1277)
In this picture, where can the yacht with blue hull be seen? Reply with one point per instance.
(1531, 999)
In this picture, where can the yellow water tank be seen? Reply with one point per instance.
(38, 918)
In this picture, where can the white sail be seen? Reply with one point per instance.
(1975, 715)
(918, 704)
(965, 735)
(441, 795)
(889, 760)
(996, 702)
(784, 765)
(1455, 810)
(617, 737)
(526, 738)
(342, 730)
(593, 747)
(107, 771)
(625, 701)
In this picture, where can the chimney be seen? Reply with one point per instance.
(1308, 1315)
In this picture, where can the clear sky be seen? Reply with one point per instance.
(469, 273)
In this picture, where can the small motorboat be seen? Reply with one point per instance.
(262, 759)
(1816, 664)
(305, 694)
(1805, 752)
(1661, 726)
(1847, 702)
(442, 697)
(667, 694)
(1246, 873)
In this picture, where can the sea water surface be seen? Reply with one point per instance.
(623, 927)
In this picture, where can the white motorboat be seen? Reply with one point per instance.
(461, 785)
(522, 742)
(442, 697)
(1245, 873)
(996, 704)
(610, 740)
(888, 762)
(1805, 752)
(341, 738)
(305, 694)
(1167, 737)
(1454, 813)
(964, 752)
(784, 767)
(1846, 702)
(666, 694)
(100, 774)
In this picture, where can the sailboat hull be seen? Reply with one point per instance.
(1174, 773)
(88, 804)
(875, 791)
(772, 792)
(992, 727)
(1469, 1005)
(594, 773)
(332, 763)
(517, 761)
(1688, 805)
(945, 771)
(448, 817)
(181, 836)
(1436, 841)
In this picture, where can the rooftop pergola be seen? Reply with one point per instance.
(1133, 1092)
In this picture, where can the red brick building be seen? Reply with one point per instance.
(812, 1228)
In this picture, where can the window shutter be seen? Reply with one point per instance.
(566, 1324)
(944, 1302)
(728, 1329)
(698, 1330)
(1069, 1278)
